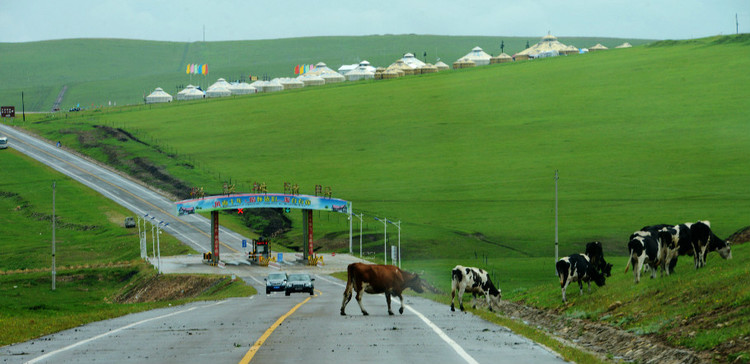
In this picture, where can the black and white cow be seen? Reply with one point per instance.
(704, 241)
(681, 243)
(577, 268)
(475, 281)
(645, 248)
(595, 252)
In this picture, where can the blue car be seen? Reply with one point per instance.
(276, 282)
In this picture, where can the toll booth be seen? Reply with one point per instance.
(260, 251)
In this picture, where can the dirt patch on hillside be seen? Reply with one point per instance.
(741, 236)
(167, 288)
(601, 339)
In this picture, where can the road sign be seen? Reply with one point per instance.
(7, 111)
(244, 243)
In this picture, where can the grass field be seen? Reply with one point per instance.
(100, 71)
(465, 159)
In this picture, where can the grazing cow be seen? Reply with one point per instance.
(644, 248)
(595, 252)
(577, 267)
(704, 241)
(378, 278)
(679, 242)
(475, 281)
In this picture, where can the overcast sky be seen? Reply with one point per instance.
(183, 21)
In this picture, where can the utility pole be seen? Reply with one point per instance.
(556, 236)
(398, 225)
(23, 108)
(385, 239)
(54, 273)
(737, 23)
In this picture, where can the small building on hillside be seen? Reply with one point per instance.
(158, 96)
(548, 43)
(412, 61)
(501, 58)
(625, 45)
(477, 56)
(190, 93)
(597, 47)
(442, 66)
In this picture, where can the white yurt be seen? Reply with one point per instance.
(218, 90)
(625, 45)
(441, 66)
(361, 65)
(220, 82)
(597, 47)
(190, 93)
(361, 73)
(259, 85)
(158, 96)
(412, 61)
(291, 83)
(327, 74)
(241, 88)
(273, 86)
(501, 58)
(548, 43)
(333, 77)
(478, 56)
(311, 80)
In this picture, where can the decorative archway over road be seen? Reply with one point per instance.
(306, 203)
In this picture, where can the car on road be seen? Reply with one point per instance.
(3, 142)
(276, 282)
(129, 222)
(299, 282)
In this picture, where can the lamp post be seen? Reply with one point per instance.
(158, 248)
(398, 225)
(385, 239)
(360, 232)
(153, 236)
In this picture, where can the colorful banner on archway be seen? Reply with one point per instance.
(262, 200)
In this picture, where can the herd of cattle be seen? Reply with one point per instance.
(655, 247)
(652, 247)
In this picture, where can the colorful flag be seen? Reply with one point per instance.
(188, 69)
(205, 69)
(296, 70)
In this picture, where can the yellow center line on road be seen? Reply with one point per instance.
(253, 350)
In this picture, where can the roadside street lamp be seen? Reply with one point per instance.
(360, 232)
(385, 239)
(398, 225)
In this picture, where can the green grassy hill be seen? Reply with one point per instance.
(465, 159)
(98, 71)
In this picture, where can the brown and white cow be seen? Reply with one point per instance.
(378, 278)
(475, 281)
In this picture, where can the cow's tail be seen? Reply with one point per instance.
(630, 257)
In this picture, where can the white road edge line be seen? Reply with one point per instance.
(454, 345)
(71, 346)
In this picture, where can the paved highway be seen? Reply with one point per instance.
(263, 328)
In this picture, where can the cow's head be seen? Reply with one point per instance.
(726, 251)
(413, 281)
(607, 269)
(495, 296)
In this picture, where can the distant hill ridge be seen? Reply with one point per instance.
(123, 71)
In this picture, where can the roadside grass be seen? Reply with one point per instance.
(95, 254)
(701, 309)
(31, 309)
(89, 227)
